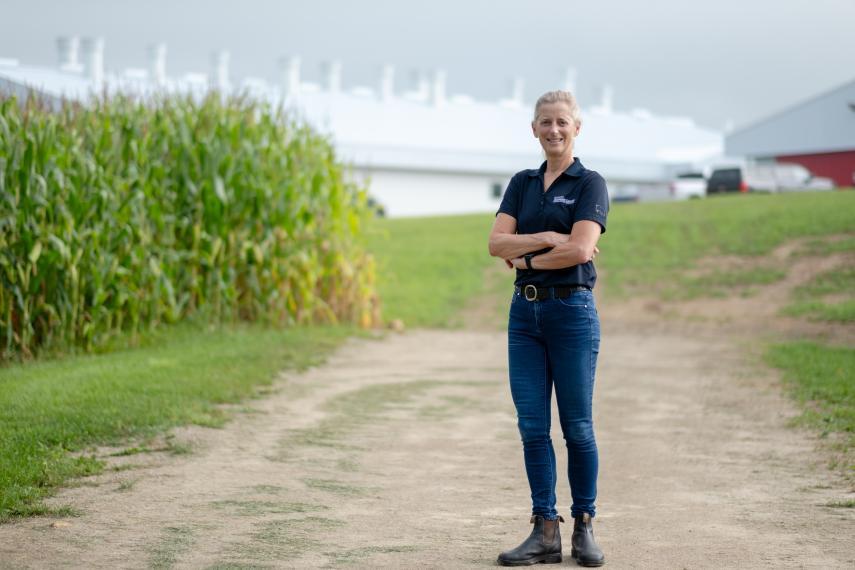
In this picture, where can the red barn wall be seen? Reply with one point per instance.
(839, 166)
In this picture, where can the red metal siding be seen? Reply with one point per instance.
(839, 166)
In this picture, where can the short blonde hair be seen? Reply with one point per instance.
(560, 97)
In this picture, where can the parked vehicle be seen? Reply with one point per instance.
(820, 183)
(766, 178)
(727, 180)
(688, 185)
(624, 193)
(379, 210)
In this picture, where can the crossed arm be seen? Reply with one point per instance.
(580, 246)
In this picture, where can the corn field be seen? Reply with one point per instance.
(118, 216)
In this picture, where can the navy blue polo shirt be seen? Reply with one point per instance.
(577, 194)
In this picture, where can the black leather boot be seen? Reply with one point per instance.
(542, 545)
(585, 550)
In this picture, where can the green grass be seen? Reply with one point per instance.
(349, 411)
(127, 485)
(822, 247)
(255, 508)
(841, 312)
(55, 407)
(719, 283)
(811, 299)
(844, 504)
(175, 541)
(335, 487)
(838, 280)
(650, 245)
(428, 268)
(821, 379)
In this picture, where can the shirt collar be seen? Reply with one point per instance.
(575, 169)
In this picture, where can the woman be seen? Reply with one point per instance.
(547, 227)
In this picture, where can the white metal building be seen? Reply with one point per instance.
(423, 151)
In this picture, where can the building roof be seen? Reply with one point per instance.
(491, 137)
(823, 123)
(454, 134)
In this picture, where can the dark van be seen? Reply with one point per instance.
(726, 180)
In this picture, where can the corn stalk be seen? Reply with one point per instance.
(123, 215)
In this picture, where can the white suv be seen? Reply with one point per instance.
(688, 185)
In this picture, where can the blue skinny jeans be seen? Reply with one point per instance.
(555, 342)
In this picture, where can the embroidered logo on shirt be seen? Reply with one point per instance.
(599, 210)
(563, 200)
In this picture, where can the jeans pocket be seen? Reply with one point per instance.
(582, 299)
(574, 301)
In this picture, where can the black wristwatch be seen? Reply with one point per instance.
(527, 258)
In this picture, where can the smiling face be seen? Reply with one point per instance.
(555, 128)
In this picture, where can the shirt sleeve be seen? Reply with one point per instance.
(511, 200)
(593, 202)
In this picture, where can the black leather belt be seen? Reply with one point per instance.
(532, 293)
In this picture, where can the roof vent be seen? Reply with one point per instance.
(67, 49)
(289, 76)
(93, 60)
(331, 70)
(570, 80)
(157, 63)
(607, 97)
(438, 88)
(517, 88)
(387, 82)
(220, 71)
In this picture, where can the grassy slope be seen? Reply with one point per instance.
(650, 244)
(811, 299)
(428, 268)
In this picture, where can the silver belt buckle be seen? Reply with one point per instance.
(530, 292)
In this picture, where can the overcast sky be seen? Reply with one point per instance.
(714, 61)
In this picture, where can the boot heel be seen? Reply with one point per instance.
(552, 559)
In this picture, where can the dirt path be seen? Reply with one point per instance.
(403, 453)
